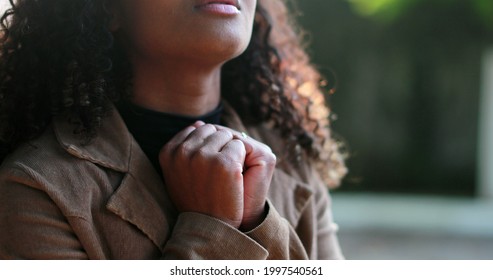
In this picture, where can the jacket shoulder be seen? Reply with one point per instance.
(42, 156)
(43, 164)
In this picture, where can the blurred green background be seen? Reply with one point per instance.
(407, 74)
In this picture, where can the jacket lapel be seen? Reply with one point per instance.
(142, 201)
(141, 198)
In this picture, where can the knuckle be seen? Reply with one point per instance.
(183, 151)
(201, 153)
(237, 142)
(166, 151)
(239, 147)
(225, 133)
(266, 148)
(270, 159)
(209, 127)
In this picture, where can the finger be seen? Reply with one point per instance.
(252, 146)
(196, 138)
(235, 150)
(181, 136)
(216, 141)
(247, 141)
(234, 132)
(198, 124)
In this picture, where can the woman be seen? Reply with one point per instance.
(124, 130)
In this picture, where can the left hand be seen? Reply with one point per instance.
(259, 166)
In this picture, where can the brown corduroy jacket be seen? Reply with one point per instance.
(60, 199)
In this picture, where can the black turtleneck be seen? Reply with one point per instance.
(152, 129)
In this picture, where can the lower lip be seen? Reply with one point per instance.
(219, 9)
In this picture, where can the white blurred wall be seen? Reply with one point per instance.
(3, 5)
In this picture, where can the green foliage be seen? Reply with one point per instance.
(390, 10)
(484, 9)
(384, 10)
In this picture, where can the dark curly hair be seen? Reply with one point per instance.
(58, 57)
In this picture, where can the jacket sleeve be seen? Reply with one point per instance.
(327, 244)
(31, 225)
(197, 236)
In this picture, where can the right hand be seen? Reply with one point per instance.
(202, 169)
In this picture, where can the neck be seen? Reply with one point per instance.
(177, 88)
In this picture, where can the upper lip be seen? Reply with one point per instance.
(235, 3)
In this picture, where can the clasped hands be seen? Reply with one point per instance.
(214, 170)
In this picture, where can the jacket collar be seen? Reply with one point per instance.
(112, 147)
(141, 198)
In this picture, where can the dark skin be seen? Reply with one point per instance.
(177, 49)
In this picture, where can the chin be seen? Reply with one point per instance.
(222, 49)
